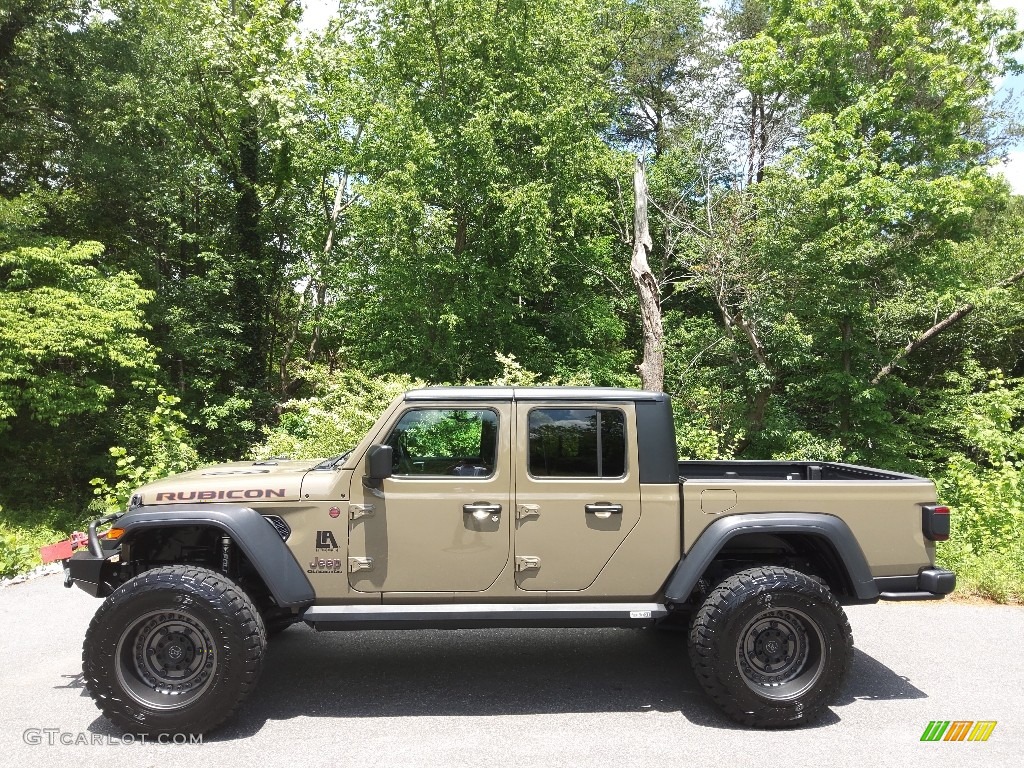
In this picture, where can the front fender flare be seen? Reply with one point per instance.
(260, 542)
(693, 565)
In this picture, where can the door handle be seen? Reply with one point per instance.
(481, 510)
(603, 509)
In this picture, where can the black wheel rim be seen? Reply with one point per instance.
(780, 654)
(166, 659)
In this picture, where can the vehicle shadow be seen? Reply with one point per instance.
(74, 682)
(870, 679)
(455, 673)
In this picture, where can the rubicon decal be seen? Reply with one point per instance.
(958, 730)
(237, 494)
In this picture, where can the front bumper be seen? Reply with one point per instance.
(928, 584)
(87, 568)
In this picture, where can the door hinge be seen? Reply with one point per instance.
(527, 563)
(360, 564)
(527, 510)
(355, 511)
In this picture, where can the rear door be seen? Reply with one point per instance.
(577, 490)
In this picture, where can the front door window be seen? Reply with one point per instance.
(445, 441)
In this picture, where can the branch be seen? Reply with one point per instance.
(947, 322)
(700, 354)
(602, 274)
(340, 204)
(756, 347)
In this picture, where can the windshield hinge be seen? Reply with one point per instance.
(355, 511)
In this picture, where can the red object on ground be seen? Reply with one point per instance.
(62, 550)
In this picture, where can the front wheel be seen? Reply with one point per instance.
(174, 650)
(771, 646)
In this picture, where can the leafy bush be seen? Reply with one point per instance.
(22, 535)
(163, 448)
(996, 575)
(986, 546)
(342, 406)
(984, 486)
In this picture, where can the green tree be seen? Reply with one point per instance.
(483, 191)
(74, 361)
(664, 67)
(820, 273)
(70, 335)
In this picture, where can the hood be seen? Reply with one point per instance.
(239, 481)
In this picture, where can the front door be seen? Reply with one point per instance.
(577, 491)
(440, 523)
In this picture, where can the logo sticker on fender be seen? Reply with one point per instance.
(326, 540)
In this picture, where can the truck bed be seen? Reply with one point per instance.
(782, 470)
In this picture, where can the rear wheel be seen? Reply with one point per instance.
(771, 646)
(174, 650)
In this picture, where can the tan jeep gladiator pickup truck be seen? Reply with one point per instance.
(502, 507)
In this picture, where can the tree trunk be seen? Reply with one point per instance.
(250, 269)
(652, 369)
(845, 397)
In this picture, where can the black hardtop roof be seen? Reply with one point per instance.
(532, 393)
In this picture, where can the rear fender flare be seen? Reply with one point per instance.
(714, 538)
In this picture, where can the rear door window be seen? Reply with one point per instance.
(577, 442)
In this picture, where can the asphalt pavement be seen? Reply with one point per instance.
(545, 697)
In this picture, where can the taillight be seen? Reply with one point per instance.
(935, 522)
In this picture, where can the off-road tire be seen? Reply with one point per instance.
(771, 647)
(173, 651)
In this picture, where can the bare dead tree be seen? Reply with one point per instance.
(652, 369)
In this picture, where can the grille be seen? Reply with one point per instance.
(279, 525)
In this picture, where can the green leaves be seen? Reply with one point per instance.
(162, 447)
(477, 185)
(68, 332)
(335, 416)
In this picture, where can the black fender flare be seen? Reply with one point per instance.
(257, 538)
(829, 527)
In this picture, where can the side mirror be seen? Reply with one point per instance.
(379, 462)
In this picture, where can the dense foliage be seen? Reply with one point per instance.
(224, 235)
